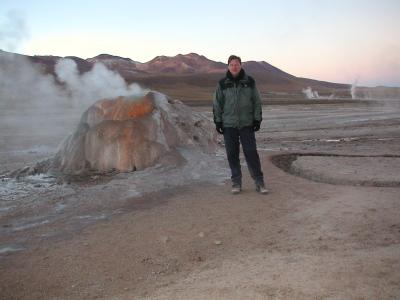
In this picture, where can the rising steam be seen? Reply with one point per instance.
(34, 105)
(96, 84)
(353, 89)
(12, 31)
(23, 84)
(310, 94)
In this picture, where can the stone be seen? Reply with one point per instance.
(165, 239)
(132, 133)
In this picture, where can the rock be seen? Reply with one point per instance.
(133, 133)
(201, 234)
(198, 258)
(216, 242)
(165, 239)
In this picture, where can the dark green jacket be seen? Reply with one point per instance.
(237, 101)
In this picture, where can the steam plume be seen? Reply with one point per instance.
(96, 84)
(23, 84)
(12, 31)
(36, 105)
(310, 94)
(353, 89)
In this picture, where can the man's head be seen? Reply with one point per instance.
(234, 65)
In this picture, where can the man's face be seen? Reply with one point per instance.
(234, 67)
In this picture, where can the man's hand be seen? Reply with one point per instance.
(219, 127)
(256, 125)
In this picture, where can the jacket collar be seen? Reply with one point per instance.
(240, 76)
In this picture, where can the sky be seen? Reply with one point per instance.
(345, 41)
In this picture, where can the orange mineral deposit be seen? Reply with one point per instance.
(124, 108)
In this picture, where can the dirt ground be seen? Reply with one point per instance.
(304, 240)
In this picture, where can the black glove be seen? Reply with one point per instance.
(219, 128)
(256, 125)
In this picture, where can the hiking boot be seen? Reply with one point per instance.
(236, 189)
(261, 189)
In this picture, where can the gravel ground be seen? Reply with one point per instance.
(177, 233)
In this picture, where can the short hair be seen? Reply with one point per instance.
(232, 57)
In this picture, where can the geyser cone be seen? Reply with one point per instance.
(132, 133)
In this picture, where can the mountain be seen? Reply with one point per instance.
(193, 76)
(124, 66)
(47, 63)
(253, 67)
(182, 64)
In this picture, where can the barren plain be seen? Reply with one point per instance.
(328, 229)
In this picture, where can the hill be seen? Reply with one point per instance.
(194, 77)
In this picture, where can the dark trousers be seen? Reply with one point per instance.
(233, 137)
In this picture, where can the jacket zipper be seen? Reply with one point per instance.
(237, 105)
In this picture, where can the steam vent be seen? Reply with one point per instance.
(133, 133)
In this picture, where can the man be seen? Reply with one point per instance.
(237, 115)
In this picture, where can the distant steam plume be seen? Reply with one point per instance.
(310, 94)
(12, 31)
(353, 89)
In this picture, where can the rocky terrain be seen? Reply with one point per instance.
(329, 229)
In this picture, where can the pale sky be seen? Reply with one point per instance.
(333, 40)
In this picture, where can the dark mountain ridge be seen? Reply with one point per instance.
(185, 71)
